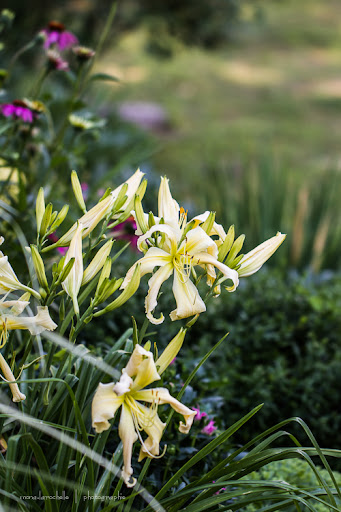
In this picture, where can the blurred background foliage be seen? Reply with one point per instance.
(239, 104)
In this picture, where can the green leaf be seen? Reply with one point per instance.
(105, 77)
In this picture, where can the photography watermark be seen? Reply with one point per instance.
(75, 497)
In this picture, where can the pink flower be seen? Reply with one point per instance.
(18, 109)
(126, 231)
(172, 361)
(56, 61)
(55, 34)
(199, 414)
(209, 428)
(220, 490)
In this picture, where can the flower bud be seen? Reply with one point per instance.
(235, 249)
(97, 262)
(77, 190)
(46, 219)
(140, 216)
(73, 281)
(253, 260)
(227, 244)
(59, 219)
(128, 291)
(170, 351)
(40, 207)
(39, 267)
(107, 288)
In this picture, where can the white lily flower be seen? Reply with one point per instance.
(177, 252)
(10, 320)
(73, 281)
(253, 260)
(127, 393)
(92, 218)
(9, 281)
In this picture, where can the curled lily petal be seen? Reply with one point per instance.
(17, 396)
(128, 436)
(172, 233)
(217, 229)
(151, 446)
(206, 259)
(35, 324)
(154, 257)
(162, 396)
(155, 283)
(187, 298)
(104, 406)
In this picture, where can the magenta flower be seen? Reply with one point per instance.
(199, 415)
(55, 34)
(126, 231)
(18, 109)
(209, 428)
(54, 238)
(85, 190)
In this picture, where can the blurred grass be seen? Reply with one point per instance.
(278, 87)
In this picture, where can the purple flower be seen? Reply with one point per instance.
(55, 34)
(209, 428)
(56, 61)
(54, 238)
(126, 231)
(199, 414)
(85, 190)
(19, 109)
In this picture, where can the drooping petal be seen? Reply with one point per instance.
(187, 298)
(207, 259)
(168, 208)
(162, 396)
(17, 396)
(104, 405)
(155, 283)
(253, 260)
(17, 306)
(154, 428)
(35, 324)
(154, 257)
(128, 436)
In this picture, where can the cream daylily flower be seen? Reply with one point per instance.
(176, 252)
(92, 218)
(9, 281)
(127, 393)
(10, 320)
(253, 260)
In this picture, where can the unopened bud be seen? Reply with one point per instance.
(126, 294)
(77, 190)
(207, 225)
(45, 221)
(39, 267)
(227, 244)
(97, 262)
(40, 208)
(60, 218)
(140, 215)
(107, 288)
(235, 249)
